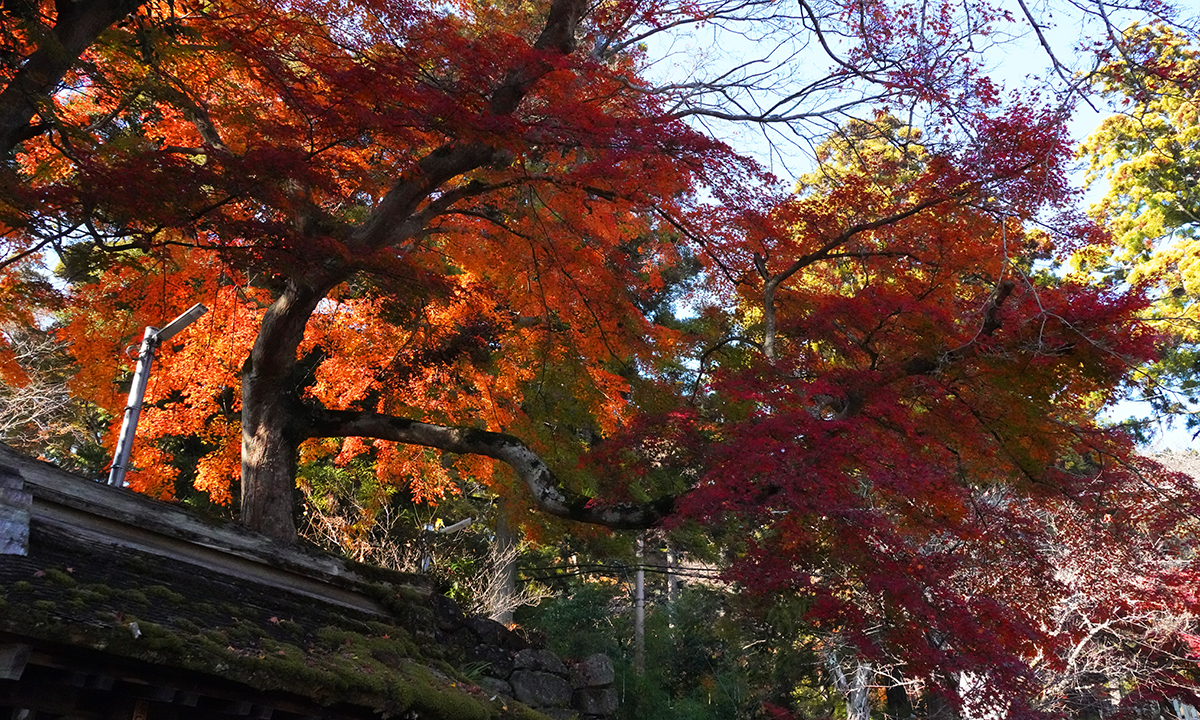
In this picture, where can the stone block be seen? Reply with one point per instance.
(489, 631)
(460, 641)
(540, 689)
(593, 671)
(596, 701)
(517, 639)
(447, 615)
(494, 687)
(499, 662)
(539, 659)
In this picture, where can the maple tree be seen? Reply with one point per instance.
(302, 175)
(613, 131)
(460, 229)
(867, 465)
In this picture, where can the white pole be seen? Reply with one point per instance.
(137, 391)
(639, 604)
(133, 408)
(672, 585)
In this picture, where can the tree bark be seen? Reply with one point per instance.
(505, 549)
(270, 405)
(76, 27)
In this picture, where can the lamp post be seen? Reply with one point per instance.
(152, 338)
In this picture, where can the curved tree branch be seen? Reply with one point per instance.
(77, 25)
(396, 219)
(527, 464)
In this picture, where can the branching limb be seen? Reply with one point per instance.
(543, 486)
(826, 252)
(77, 26)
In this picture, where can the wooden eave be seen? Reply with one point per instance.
(129, 608)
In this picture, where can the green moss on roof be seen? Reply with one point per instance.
(265, 638)
(371, 664)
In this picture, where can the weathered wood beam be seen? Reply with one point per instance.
(13, 658)
(15, 503)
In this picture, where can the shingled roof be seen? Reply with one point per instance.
(114, 605)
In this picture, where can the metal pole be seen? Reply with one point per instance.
(672, 585)
(639, 605)
(133, 408)
(137, 391)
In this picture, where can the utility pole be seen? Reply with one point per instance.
(672, 584)
(639, 605)
(505, 550)
(151, 339)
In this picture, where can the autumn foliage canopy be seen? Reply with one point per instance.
(480, 239)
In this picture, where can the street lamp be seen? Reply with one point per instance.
(152, 338)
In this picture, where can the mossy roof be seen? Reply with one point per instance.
(142, 609)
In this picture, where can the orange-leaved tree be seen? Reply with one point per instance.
(395, 211)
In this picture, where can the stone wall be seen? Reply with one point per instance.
(510, 666)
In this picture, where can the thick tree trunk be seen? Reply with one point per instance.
(268, 462)
(270, 409)
(506, 550)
